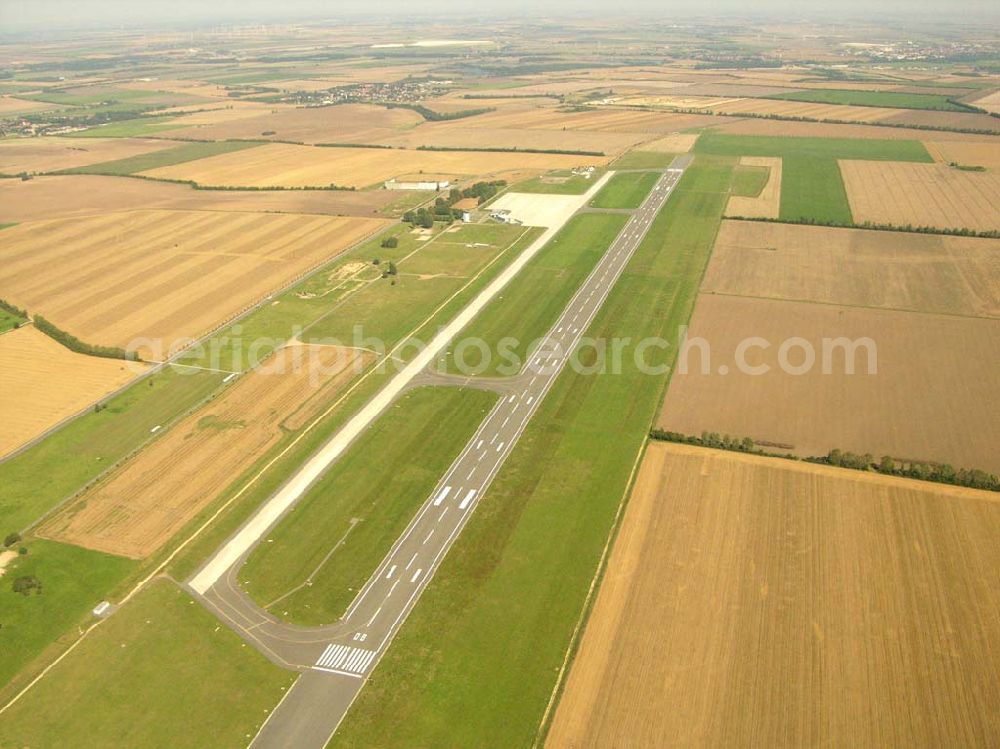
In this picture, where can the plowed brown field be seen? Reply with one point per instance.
(42, 382)
(934, 395)
(142, 505)
(162, 275)
(759, 602)
(890, 270)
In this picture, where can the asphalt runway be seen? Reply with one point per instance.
(336, 659)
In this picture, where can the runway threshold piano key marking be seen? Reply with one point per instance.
(344, 659)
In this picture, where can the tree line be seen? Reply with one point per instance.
(73, 343)
(940, 473)
(872, 226)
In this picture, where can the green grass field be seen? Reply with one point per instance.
(749, 181)
(328, 305)
(127, 128)
(407, 450)
(812, 188)
(644, 160)
(38, 479)
(872, 99)
(523, 312)
(556, 183)
(74, 580)
(166, 157)
(8, 320)
(162, 672)
(626, 190)
(477, 659)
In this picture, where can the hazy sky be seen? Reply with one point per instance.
(21, 14)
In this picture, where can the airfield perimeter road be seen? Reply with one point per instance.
(335, 659)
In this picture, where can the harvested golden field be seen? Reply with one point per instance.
(50, 153)
(756, 601)
(144, 503)
(673, 143)
(933, 396)
(162, 275)
(967, 154)
(43, 382)
(446, 134)
(88, 194)
(280, 164)
(854, 267)
(768, 203)
(191, 119)
(889, 192)
(354, 123)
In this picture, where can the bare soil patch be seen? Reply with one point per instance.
(854, 267)
(933, 396)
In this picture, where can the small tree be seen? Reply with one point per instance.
(390, 242)
(11, 539)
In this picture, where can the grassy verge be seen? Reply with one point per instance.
(476, 661)
(644, 160)
(529, 306)
(873, 99)
(159, 673)
(74, 580)
(38, 479)
(411, 446)
(626, 190)
(811, 184)
(166, 157)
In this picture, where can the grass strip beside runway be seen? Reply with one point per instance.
(477, 659)
(625, 190)
(162, 672)
(367, 499)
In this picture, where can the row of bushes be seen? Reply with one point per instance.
(73, 343)
(941, 473)
(13, 310)
(871, 226)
